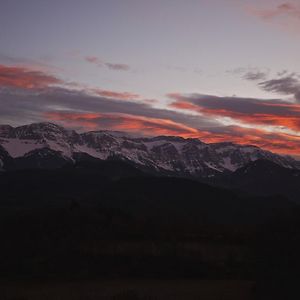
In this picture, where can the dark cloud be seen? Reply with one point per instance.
(250, 73)
(256, 75)
(117, 67)
(287, 85)
(282, 73)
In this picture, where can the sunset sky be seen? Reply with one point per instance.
(218, 70)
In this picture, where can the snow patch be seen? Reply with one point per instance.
(228, 165)
(17, 147)
(90, 151)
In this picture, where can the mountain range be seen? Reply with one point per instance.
(47, 145)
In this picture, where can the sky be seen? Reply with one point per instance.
(218, 70)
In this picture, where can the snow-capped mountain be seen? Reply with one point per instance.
(45, 145)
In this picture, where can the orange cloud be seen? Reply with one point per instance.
(276, 142)
(116, 95)
(122, 122)
(26, 78)
(289, 122)
(184, 105)
(249, 111)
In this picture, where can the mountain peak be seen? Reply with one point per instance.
(43, 130)
(42, 126)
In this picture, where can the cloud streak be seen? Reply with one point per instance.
(116, 95)
(111, 66)
(247, 110)
(276, 142)
(117, 67)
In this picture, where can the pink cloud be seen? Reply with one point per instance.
(26, 78)
(116, 95)
(94, 60)
(286, 15)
